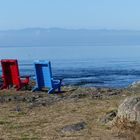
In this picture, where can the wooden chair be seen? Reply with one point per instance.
(10, 75)
(43, 76)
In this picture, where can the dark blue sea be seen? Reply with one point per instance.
(103, 66)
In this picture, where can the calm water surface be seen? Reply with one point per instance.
(108, 66)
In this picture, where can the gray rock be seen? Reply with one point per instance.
(45, 101)
(108, 117)
(97, 96)
(130, 109)
(135, 84)
(134, 87)
(17, 109)
(74, 127)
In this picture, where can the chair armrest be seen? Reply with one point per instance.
(26, 78)
(57, 81)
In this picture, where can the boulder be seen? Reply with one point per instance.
(134, 85)
(130, 109)
(108, 117)
(74, 127)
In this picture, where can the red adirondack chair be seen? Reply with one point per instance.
(10, 75)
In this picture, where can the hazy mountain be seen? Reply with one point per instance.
(67, 37)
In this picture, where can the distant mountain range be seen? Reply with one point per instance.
(67, 37)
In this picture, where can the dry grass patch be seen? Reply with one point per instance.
(46, 122)
(124, 128)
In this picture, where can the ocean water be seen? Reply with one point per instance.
(104, 66)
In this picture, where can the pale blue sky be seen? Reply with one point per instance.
(92, 14)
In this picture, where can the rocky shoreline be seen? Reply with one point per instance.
(68, 93)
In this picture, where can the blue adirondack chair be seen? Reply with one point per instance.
(44, 78)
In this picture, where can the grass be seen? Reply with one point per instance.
(126, 129)
(46, 122)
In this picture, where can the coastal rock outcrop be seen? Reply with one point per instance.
(134, 87)
(130, 109)
(135, 84)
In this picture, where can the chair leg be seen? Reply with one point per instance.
(51, 90)
(18, 88)
(4, 87)
(26, 87)
(35, 89)
(23, 85)
(59, 89)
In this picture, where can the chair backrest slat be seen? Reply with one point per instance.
(43, 74)
(10, 71)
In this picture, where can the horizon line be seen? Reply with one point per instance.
(60, 28)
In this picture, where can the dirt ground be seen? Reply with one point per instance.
(26, 115)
